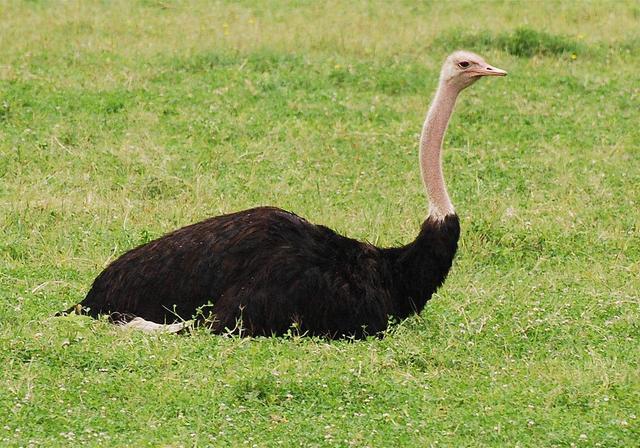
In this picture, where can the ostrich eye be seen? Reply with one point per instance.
(463, 64)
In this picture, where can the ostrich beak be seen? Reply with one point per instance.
(490, 70)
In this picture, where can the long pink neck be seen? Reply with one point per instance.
(431, 139)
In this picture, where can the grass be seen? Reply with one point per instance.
(120, 121)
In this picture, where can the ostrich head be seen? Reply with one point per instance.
(463, 68)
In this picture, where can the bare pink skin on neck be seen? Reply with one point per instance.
(431, 139)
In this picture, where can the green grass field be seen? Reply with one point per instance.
(120, 121)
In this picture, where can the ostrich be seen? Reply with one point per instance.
(265, 270)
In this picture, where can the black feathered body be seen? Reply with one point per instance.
(267, 269)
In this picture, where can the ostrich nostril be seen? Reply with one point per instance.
(489, 68)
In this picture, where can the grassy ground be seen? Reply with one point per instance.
(120, 121)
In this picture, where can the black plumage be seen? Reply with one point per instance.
(268, 269)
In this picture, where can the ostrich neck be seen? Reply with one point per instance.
(431, 139)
